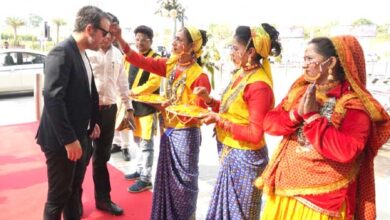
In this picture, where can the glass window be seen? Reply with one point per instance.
(20, 58)
(8, 59)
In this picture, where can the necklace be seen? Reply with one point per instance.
(183, 64)
(182, 67)
(326, 86)
(175, 88)
(226, 102)
(251, 67)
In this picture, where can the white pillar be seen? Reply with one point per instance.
(38, 95)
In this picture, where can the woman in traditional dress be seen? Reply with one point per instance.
(239, 118)
(176, 184)
(332, 129)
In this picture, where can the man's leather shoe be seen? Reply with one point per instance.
(125, 154)
(109, 206)
(115, 148)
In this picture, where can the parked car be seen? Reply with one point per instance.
(18, 68)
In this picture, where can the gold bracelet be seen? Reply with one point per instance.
(313, 118)
(292, 116)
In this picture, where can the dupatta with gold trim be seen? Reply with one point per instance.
(352, 60)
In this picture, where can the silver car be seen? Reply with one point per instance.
(18, 68)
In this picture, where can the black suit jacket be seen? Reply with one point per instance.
(69, 106)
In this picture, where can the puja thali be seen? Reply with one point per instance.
(150, 99)
(191, 111)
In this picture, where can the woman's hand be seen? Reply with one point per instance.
(301, 105)
(116, 31)
(310, 102)
(210, 118)
(202, 93)
(165, 104)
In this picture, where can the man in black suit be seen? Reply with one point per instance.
(69, 115)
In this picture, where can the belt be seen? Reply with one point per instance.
(105, 107)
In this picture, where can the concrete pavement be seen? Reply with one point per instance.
(208, 170)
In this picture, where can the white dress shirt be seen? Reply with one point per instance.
(110, 76)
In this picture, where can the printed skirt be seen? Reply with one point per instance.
(235, 196)
(176, 185)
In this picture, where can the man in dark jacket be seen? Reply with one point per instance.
(69, 114)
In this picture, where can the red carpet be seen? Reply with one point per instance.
(23, 181)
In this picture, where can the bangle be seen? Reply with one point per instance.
(126, 49)
(211, 103)
(313, 118)
(295, 117)
(224, 124)
(292, 116)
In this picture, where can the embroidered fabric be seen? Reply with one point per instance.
(326, 111)
(226, 102)
(175, 89)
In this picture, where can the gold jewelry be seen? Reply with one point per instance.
(292, 116)
(248, 62)
(313, 118)
(186, 63)
(309, 78)
(248, 67)
(326, 86)
(225, 103)
(330, 75)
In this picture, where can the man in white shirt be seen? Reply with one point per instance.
(111, 79)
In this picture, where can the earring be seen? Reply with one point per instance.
(248, 63)
(330, 75)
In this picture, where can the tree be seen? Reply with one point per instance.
(319, 31)
(58, 22)
(221, 32)
(383, 33)
(210, 58)
(362, 21)
(15, 23)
